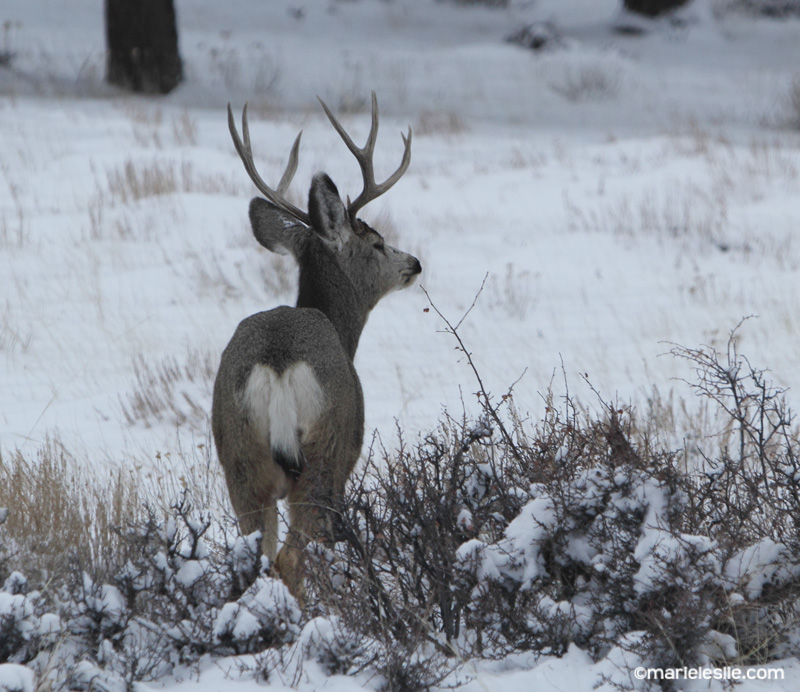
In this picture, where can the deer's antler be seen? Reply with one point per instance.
(364, 154)
(277, 196)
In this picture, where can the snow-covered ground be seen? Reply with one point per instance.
(616, 194)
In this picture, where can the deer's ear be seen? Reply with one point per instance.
(328, 214)
(274, 229)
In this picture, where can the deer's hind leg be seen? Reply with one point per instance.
(304, 527)
(254, 497)
(314, 500)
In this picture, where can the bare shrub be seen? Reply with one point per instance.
(392, 577)
(492, 536)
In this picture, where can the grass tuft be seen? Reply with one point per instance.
(59, 511)
(171, 392)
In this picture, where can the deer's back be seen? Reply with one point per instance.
(286, 366)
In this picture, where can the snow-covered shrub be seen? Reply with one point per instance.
(597, 550)
(745, 493)
(175, 594)
(491, 537)
(265, 615)
(175, 599)
(16, 678)
(26, 627)
(391, 579)
(330, 644)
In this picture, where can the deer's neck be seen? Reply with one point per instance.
(324, 286)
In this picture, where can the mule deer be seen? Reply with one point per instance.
(288, 410)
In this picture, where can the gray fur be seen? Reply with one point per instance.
(345, 269)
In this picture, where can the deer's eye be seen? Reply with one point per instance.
(380, 247)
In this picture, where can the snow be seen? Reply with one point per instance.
(16, 678)
(622, 193)
(759, 565)
(110, 602)
(520, 554)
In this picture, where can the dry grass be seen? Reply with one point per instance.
(667, 420)
(146, 123)
(136, 180)
(682, 213)
(587, 82)
(184, 129)
(227, 67)
(702, 212)
(433, 123)
(63, 513)
(514, 292)
(13, 338)
(794, 101)
(278, 275)
(752, 173)
(14, 226)
(59, 511)
(171, 392)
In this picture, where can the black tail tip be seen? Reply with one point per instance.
(291, 463)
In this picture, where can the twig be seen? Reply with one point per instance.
(482, 393)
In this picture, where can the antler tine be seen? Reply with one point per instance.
(363, 155)
(277, 196)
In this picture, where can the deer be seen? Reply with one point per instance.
(288, 408)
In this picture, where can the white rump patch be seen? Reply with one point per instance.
(283, 407)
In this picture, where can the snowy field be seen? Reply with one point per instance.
(613, 195)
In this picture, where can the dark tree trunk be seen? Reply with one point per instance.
(652, 8)
(142, 43)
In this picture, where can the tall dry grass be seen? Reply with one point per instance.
(60, 512)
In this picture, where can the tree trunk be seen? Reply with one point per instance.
(652, 8)
(142, 43)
